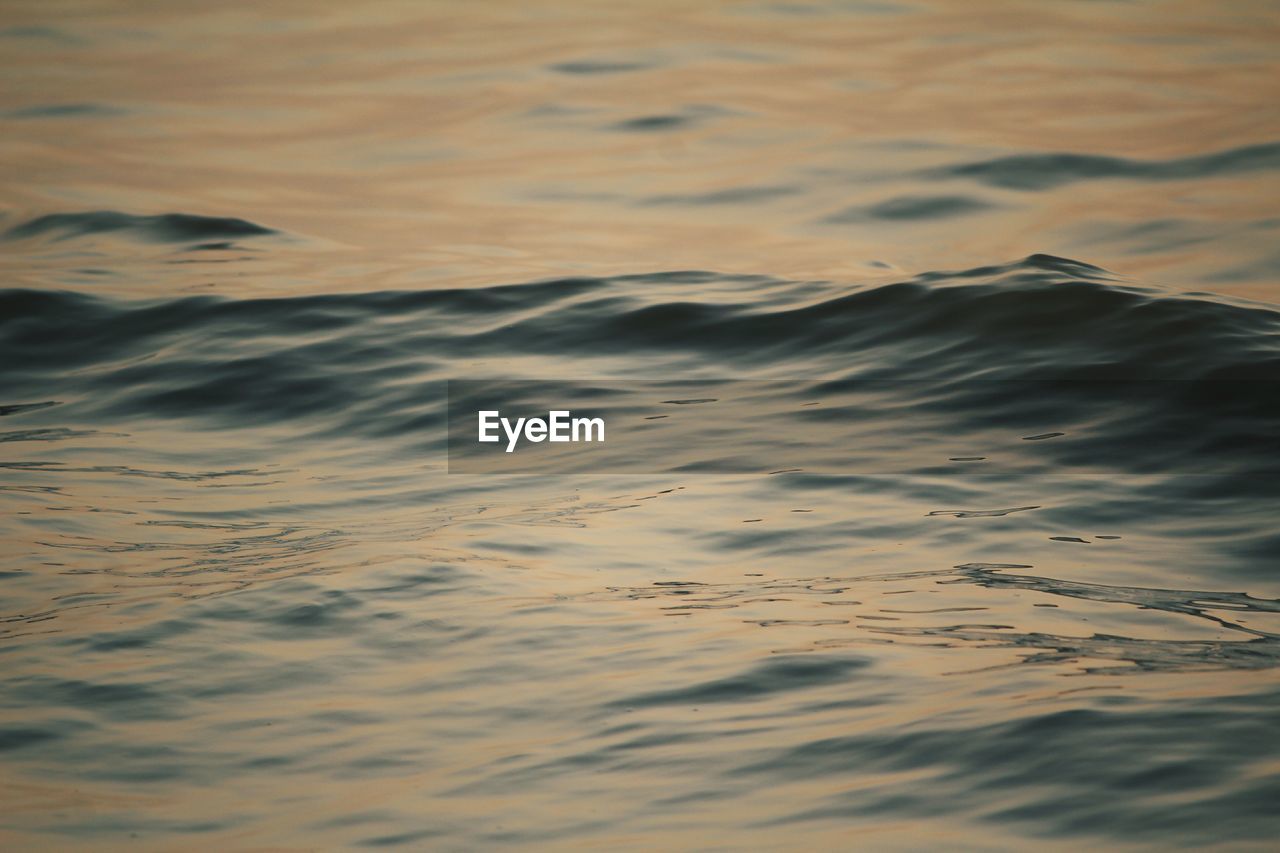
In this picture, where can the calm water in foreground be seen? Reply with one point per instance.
(244, 605)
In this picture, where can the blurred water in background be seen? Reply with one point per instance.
(243, 605)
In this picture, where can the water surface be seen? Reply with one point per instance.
(1011, 267)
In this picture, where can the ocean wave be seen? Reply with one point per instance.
(158, 228)
(1041, 318)
(1046, 171)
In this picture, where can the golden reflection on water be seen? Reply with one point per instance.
(410, 145)
(392, 726)
(418, 143)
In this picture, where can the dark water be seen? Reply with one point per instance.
(1005, 275)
